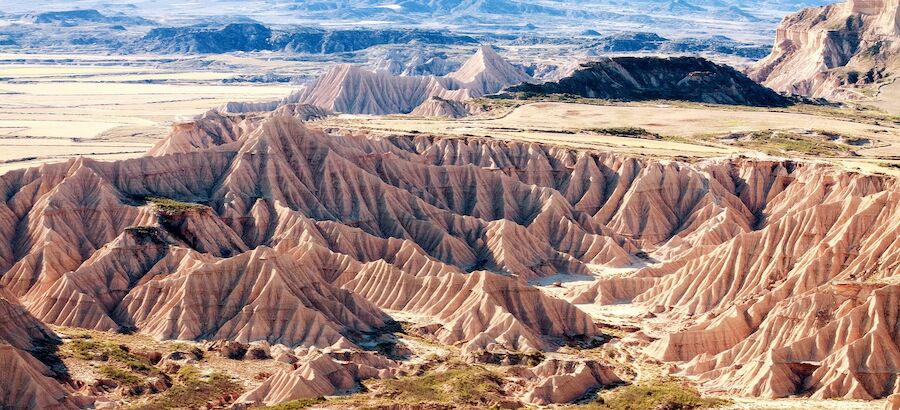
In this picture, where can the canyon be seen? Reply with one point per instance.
(756, 277)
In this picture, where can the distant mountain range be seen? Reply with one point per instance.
(74, 17)
(257, 37)
(672, 14)
(90, 29)
(590, 28)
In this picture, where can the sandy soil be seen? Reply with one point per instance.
(52, 112)
(544, 121)
(889, 98)
(743, 403)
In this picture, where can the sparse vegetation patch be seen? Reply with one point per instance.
(171, 206)
(626, 132)
(664, 394)
(193, 390)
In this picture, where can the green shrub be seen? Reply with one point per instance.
(465, 386)
(626, 132)
(171, 206)
(193, 390)
(89, 349)
(121, 376)
(297, 404)
(668, 394)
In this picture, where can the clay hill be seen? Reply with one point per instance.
(439, 107)
(763, 277)
(353, 90)
(654, 78)
(832, 51)
(28, 382)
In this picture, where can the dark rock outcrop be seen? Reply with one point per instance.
(257, 37)
(652, 78)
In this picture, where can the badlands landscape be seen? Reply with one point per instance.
(450, 205)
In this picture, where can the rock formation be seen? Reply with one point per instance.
(557, 381)
(253, 36)
(832, 50)
(653, 78)
(771, 277)
(25, 382)
(320, 374)
(439, 107)
(487, 73)
(353, 90)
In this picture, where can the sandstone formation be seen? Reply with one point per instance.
(353, 90)
(487, 73)
(302, 111)
(654, 78)
(275, 236)
(557, 381)
(439, 107)
(831, 51)
(768, 277)
(25, 382)
(510, 315)
(320, 374)
(762, 299)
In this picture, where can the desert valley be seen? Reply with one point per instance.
(472, 204)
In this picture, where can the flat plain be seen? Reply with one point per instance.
(84, 106)
(682, 130)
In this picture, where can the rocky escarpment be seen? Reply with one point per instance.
(832, 51)
(263, 228)
(652, 78)
(257, 37)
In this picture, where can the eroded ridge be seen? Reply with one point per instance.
(771, 277)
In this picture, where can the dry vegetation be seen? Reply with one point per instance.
(194, 390)
(168, 206)
(662, 394)
(139, 372)
(857, 137)
(106, 108)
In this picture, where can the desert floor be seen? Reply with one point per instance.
(683, 127)
(889, 98)
(55, 107)
(81, 106)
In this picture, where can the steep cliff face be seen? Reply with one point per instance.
(835, 50)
